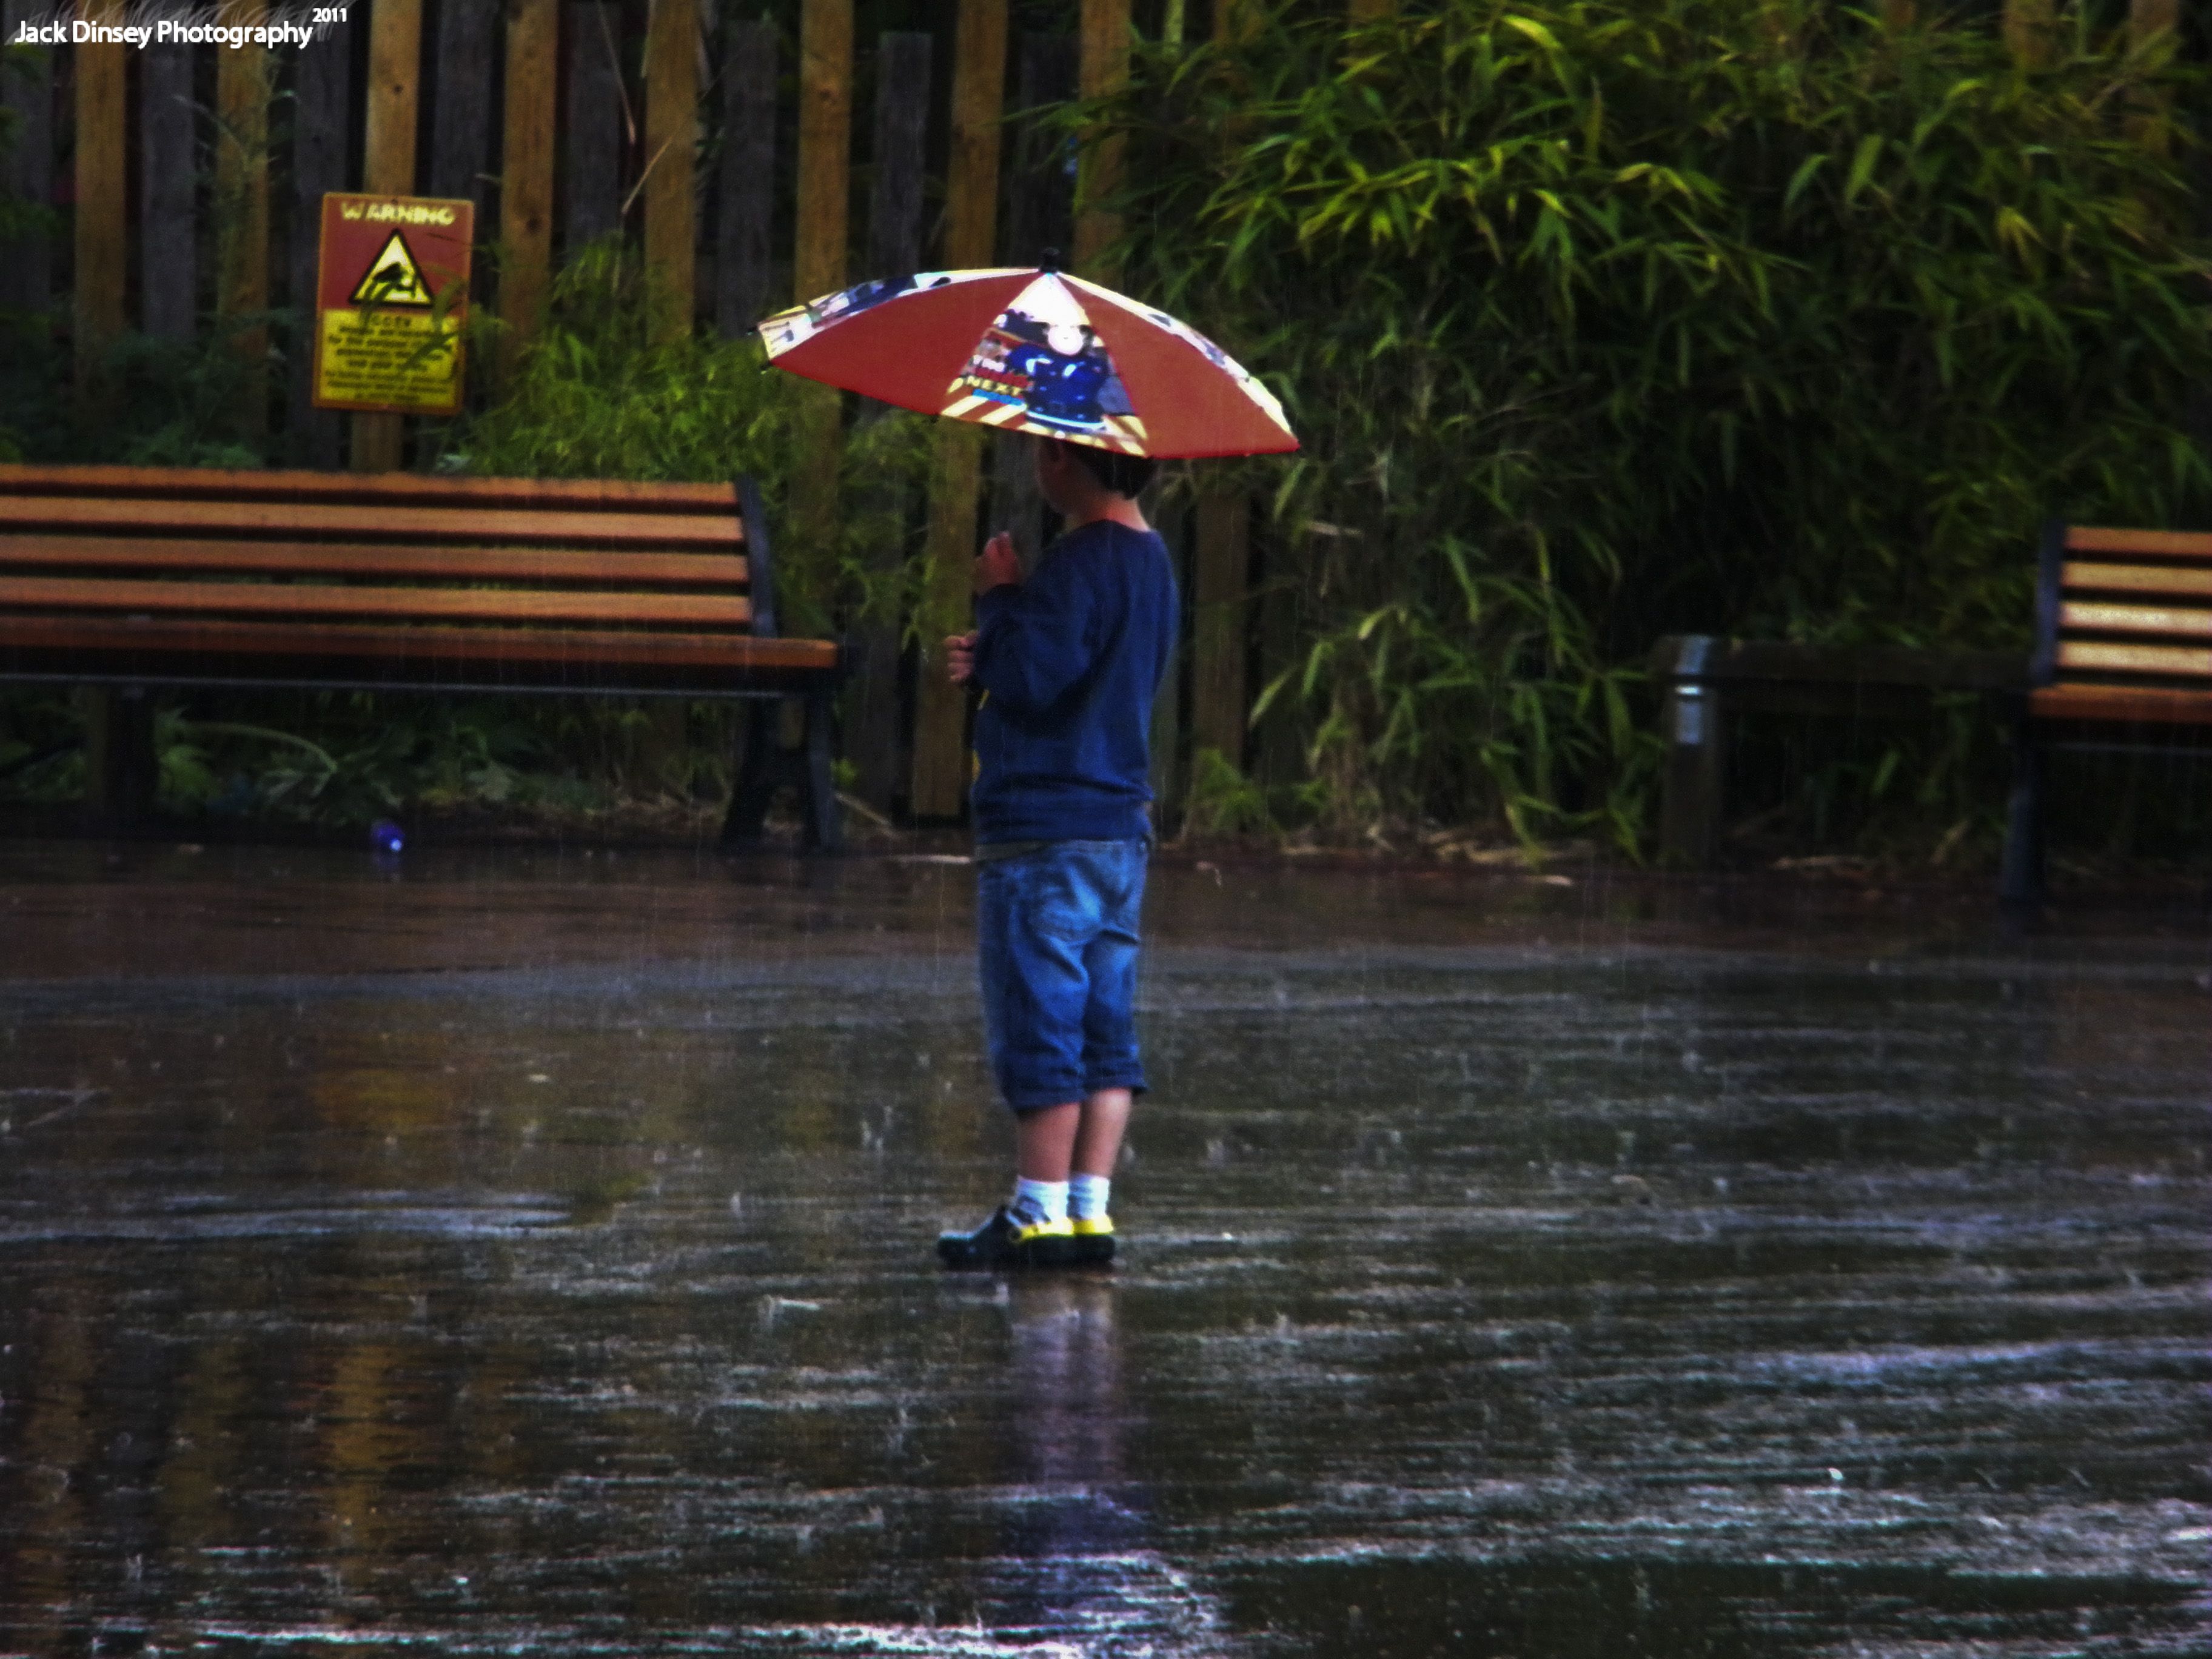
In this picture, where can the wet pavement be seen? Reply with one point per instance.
(528, 1252)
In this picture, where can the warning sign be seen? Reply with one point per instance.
(390, 298)
(393, 278)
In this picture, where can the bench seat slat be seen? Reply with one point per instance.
(2174, 620)
(324, 600)
(2097, 656)
(522, 564)
(2181, 582)
(2151, 544)
(208, 483)
(2151, 705)
(83, 640)
(553, 528)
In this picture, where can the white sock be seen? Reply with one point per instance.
(1086, 1196)
(1039, 1200)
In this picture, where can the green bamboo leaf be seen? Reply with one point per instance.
(1802, 177)
(1862, 160)
(1534, 30)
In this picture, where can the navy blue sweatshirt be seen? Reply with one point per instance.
(1070, 659)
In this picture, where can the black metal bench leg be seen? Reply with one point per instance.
(758, 775)
(767, 766)
(121, 771)
(824, 828)
(2021, 880)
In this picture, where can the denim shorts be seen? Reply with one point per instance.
(1056, 933)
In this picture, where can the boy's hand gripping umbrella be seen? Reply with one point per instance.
(1029, 349)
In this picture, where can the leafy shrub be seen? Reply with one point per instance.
(596, 397)
(1605, 318)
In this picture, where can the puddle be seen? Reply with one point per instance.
(518, 1253)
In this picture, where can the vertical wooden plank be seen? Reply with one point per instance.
(979, 91)
(901, 143)
(168, 263)
(1170, 776)
(671, 245)
(824, 183)
(242, 205)
(2149, 19)
(1104, 70)
(593, 138)
(1221, 553)
(940, 749)
(2153, 25)
(971, 203)
(894, 245)
(825, 147)
(387, 167)
(671, 162)
(1040, 197)
(322, 160)
(745, 209)
(102, 123)
(460, 110)
(1277, 756)
(1017, 505)
(27, 165)
(525, 195)
(1221, 574)
(2030, 31)
(1039, 216)
(395, 67)
(1236, 22)
(1040, 206)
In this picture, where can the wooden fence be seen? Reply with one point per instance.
(191, 177)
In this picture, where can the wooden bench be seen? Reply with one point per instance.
(2123, 661)
(126, 578)
(1706, 682)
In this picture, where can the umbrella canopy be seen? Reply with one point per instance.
(1031, 351)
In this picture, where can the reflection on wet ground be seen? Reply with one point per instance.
(529, 1254)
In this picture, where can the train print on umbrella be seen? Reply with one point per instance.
(1040, 368)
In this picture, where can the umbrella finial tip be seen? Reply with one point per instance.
(1050, 263)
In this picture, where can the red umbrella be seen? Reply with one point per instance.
(1033, 350)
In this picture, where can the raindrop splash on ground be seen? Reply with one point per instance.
(532, 1255)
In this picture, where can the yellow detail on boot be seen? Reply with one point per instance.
(1092, 1226)
(1039, 1230)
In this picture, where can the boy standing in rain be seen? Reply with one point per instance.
(1068, 662)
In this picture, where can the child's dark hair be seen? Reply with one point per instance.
(1125, 474)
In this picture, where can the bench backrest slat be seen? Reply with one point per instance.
(2116, 606)
(303, 599)
(2187, 545)
(2164, 661)
(51, 553)
(393, 489)
(506, 526)
(2084, 576)
(168, 575)
(2097, 616)
(230, 640)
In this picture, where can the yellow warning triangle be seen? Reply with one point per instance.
(393, 278)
